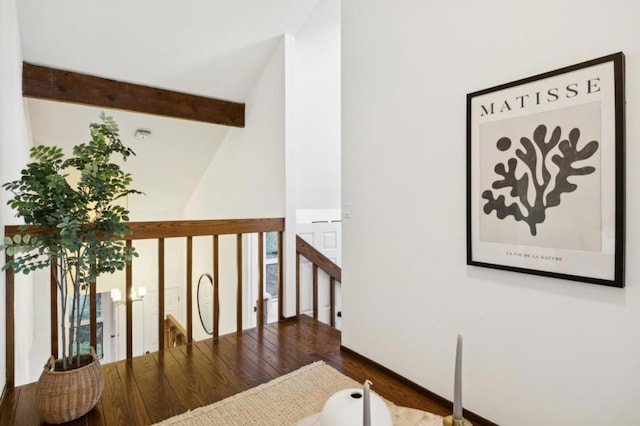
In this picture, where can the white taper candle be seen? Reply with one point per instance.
(457, 384)
(366, 404)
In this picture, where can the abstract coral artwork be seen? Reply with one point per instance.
(532, 211)
(545, 174)
(543, 167)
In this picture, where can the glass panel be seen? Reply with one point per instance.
(272, 279)
(85, 311)
(85, 339)
(271, 249)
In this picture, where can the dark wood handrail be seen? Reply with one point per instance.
(178, 228)
(319, 262)
(160, 231)
(175, 333)
(317, 258)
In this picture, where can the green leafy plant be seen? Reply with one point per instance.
(72, 222)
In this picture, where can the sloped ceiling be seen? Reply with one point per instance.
(214, 48)
(162, 168)
(211, 48)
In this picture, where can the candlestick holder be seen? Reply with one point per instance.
(451, 421)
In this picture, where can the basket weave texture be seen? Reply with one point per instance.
(62, 396)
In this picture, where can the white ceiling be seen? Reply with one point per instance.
(162, 168)
(214, 48)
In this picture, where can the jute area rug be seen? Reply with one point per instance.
(294, 399)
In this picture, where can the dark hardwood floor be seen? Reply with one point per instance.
(151, 388)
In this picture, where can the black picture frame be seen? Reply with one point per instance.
(545, 174)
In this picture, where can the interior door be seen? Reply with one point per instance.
(171, 306)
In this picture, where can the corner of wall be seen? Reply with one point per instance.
(289, 256)
(14, 146)
(9, 60)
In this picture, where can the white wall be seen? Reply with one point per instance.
(316, 129)
(291, 145)
(537, 350)
(313, 125)
(246, 179)
(14, 144)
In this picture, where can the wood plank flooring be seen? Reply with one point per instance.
(151, 388)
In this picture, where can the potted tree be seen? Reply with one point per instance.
(72, 223)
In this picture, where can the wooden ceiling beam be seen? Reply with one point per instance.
(67, 86)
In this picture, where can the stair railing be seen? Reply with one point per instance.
(175, 333)
(319, 262)
(158, 231)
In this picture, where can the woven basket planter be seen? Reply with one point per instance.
(62, 396)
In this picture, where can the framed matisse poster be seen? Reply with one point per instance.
(545, 174)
